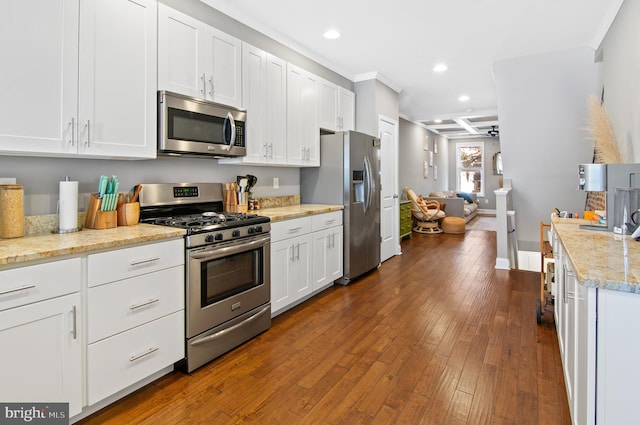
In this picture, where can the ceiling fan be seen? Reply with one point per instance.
(493, 132)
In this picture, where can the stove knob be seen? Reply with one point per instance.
(219, 236)
(259, 229)
(236, 233)
(251, 230)
(208, 238)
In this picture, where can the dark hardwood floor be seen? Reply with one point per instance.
(436, 335)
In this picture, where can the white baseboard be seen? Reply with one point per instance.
(486, 212)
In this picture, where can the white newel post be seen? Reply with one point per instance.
(502, 229)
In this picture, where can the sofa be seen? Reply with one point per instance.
(456, 205)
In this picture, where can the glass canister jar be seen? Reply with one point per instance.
(11, 211)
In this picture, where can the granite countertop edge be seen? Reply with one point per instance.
(297, 211)
(49, 246)
(601, 259)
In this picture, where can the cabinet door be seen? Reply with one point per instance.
(254, 99)
(41, 354)
(39, 50)
(327, 257)
(180, 53)
(117, 79)
(585, 362)
(346, 109)
(303, 136)
(301, 280)
(328, 105)
(570, 349)
(281, 259)
(223, 67)
(276, 109)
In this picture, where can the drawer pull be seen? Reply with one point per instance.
(146, 353)
(74, 329)
(151, 301)
(329, 221)
(22, 288)
(149, 260)
(295, 229)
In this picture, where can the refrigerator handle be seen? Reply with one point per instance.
(368, 180)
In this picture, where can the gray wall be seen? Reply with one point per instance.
(374, 98)
(542, 108)
(411, 157)
(621, 72)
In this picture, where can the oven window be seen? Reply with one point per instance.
(195, 127)
(224, 277)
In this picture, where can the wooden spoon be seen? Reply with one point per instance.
(134, 198)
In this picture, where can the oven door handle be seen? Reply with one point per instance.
(215, 252)
(223, 332)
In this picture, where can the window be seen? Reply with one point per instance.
(470, 167)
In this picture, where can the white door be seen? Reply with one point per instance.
(389, 224)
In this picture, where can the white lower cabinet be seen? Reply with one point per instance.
(327, 249)
(306, 257)
(40, 334)
(597, 331)
(135, 315)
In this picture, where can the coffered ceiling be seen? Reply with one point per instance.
(402, 41)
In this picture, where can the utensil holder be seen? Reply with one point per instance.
(128, 213)
(97, 219)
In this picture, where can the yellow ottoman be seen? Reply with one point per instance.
(455, 225)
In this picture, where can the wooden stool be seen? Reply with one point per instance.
(454, 225)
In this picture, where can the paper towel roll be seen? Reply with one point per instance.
(68, 208)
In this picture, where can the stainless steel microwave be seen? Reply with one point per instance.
(191, 126)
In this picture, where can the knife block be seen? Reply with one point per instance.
(97, 219)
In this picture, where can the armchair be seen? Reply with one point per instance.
(426, 213)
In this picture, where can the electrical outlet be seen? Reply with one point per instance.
(276, 183)
(486, 201)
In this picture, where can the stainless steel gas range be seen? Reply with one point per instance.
(227, 272)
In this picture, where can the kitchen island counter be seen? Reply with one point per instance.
(296, 211)
(601, 259)
(48, 246)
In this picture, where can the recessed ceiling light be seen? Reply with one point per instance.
(440, 67)
(463, 98)
(331, 34)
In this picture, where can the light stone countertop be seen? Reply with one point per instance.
(601, 259)
(46, 246)
(296, 211)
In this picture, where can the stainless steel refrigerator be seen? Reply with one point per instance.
(349, 174)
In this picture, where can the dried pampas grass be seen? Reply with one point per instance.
(606, 148)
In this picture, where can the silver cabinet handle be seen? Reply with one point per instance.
(73, 131)
(294, 229)
(266, 150)
(143, 304)
(146, 353)
(149, 260)
(74, 329)
(298, 252)
(88, 127)
(329, 221)
(271, 150)
(22, 288)
(292, 258)
(211, 86)
(203, 90)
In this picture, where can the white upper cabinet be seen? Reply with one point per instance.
(79, 86)
(39, 76)
(117, 102)
(264, 94)
(346, 109)
(198, 60)
(336, 107)
(303, 135)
